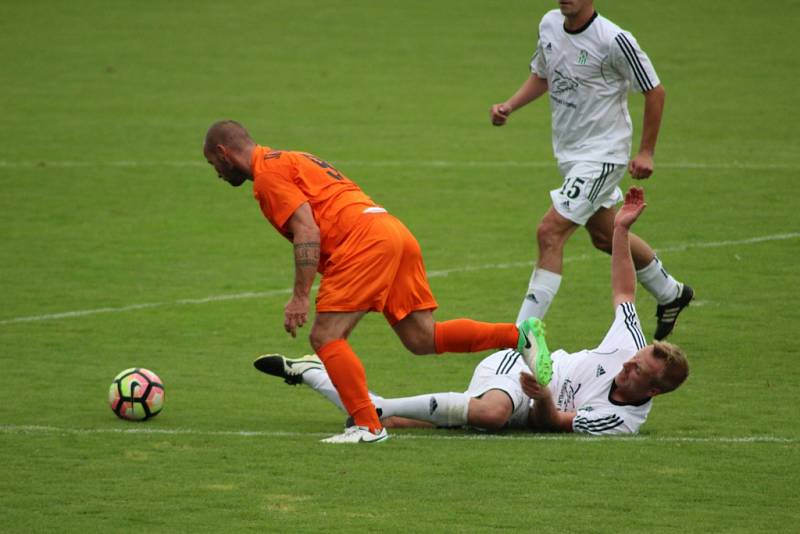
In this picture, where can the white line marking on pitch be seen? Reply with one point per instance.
(746, 165)
(431, 274)
(37, 429)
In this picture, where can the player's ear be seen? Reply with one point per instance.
(653, 391)
(223, 152)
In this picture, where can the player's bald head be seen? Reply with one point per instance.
(229, 134)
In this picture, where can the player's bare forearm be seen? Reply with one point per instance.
(623, 272)
(306, 240)
(530, 90)
(306, 262)
(642, 165)
(653, 111)
(545, 417)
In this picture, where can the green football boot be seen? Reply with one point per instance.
(533, 347)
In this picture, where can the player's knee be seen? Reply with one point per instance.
(318, 339)
(416, 331)
(548, 236)
(419, 345)
(488, 416)
(601, 241)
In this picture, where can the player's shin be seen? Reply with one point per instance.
(319, 381)
(347, 374)
(447, 409)
(659, 282)
(542, 290)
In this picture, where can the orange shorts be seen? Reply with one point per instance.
(378, 267)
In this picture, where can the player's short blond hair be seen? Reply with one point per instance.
(676, 366)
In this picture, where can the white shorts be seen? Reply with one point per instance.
(588, 186)
(501, 371)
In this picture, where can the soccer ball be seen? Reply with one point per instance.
(136, 394)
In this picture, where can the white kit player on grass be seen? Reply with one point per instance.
(603, 391)
(587, 64)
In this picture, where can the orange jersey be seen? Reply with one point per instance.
(283, 180)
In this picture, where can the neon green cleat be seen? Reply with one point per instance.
(533, 347)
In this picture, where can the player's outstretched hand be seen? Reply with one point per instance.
(633, 207)
(499, 114)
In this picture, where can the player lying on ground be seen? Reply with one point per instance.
(606, 390)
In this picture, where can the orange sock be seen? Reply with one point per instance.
(466, 335)
(347, 374)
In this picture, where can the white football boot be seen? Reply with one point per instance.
(358, 434)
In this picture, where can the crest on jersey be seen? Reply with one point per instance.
(583, 57)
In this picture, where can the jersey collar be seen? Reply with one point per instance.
(617, 403)
(582, 28)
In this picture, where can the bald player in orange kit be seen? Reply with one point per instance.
(369, 261)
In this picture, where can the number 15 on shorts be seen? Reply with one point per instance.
(572, 186)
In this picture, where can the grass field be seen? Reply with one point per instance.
(119, 248)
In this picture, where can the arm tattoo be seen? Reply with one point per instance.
(306, 254)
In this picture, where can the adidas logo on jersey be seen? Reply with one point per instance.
(600, 371)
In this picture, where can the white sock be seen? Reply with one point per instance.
(659, 282)
(542, 290)
(441, 409)
(319, 381)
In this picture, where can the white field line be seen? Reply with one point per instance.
(431, 274)
(445, 435)
(686, 165)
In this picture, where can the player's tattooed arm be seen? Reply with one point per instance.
(306, 254)
(306, 239)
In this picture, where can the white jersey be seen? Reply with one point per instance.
(589, 73)
(583, 382)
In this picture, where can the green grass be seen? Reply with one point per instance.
(107, 203)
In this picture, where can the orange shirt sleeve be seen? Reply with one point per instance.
(278, 197)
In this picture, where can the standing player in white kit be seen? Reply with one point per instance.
(587, 64)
